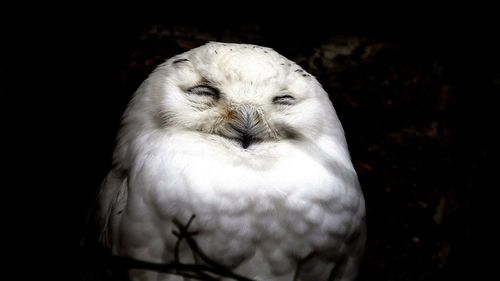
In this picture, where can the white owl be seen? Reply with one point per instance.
(231, 161)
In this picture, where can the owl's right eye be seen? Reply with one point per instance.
(204, 91)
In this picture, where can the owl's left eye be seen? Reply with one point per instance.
(204, 91)
(284, 100)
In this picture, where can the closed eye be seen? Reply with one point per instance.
(204, 90)
(284, 100)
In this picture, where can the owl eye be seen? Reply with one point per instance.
(204, 91)
(284, 100)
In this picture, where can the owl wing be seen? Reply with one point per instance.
(101, 230)
(112, 200)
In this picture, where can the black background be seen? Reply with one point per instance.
(63, 92)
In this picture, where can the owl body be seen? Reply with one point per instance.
(243, 149)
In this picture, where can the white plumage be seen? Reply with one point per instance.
(250, 144)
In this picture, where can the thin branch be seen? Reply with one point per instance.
(185, 270)
(210, 271)
(217, 268)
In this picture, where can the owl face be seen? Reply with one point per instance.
(242, 94)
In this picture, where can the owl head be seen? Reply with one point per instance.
(242, 96)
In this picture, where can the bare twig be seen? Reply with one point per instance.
(210, 271)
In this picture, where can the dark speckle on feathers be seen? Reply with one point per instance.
(179, 61)
(288, 132)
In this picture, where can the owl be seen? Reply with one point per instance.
(231, 164)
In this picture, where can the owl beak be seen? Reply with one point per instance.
(244, 137)
(247, 125)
